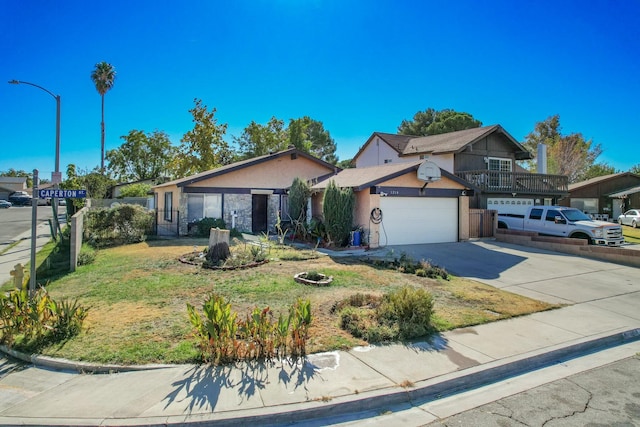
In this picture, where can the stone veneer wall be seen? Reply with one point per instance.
(241, 203)
(183, 226)
(273, 206)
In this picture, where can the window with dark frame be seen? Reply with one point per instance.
(168, 206)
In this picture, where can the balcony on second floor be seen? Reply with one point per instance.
(516, 182)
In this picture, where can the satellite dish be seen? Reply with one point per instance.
(428, 172)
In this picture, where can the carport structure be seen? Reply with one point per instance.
(394, 207)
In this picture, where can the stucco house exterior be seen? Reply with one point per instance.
(9, 184)
(606, 196)
(248, 194)
(484, 157)
(394, 207)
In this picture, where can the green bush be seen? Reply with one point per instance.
(406, 264)
(38, 319)
(337, 209)
(410, 309)
(123, 224)
(204, 226)
(399, 315)
(223, 337)
(135, 190)
(87, 255)
(299, 194)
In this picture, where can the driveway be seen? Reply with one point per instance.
(543, 275)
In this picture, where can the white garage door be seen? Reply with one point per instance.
(413, 220)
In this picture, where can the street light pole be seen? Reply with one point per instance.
(57, 177)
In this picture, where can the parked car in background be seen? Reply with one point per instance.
(20, 198)
(4, 204)
(630, 217)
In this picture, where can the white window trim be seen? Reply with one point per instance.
(501, 160)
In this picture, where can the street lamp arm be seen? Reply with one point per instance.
(17, 82)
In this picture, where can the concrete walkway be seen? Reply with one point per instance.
(350, 385)
(19, 250)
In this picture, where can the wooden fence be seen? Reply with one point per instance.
(482, 222)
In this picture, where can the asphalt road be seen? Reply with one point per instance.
(17, 220)
(606, 396)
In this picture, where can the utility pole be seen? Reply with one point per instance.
(34, 223)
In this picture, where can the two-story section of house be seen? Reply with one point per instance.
(485, 157)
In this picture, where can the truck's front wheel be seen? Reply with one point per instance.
(582, 236)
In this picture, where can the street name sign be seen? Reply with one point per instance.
(62, 194)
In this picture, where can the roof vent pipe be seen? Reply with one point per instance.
(542, 159)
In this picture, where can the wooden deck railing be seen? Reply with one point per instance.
(516, 182)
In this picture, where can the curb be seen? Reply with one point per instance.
(432, 389)
(366, 402)
(80, 367)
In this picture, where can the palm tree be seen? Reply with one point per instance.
(103, 77)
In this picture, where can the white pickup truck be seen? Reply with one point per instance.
(564, 222)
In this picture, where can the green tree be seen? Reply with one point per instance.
(135, 190)
(337, 209)
(299, 194)
(97, 184)
(310, 136)
(259, 140)
(305, 134)
(569, 155)
(635, 169)
(103, 76)
(599, 169)
(141, 156)
(202, 148)
(345, 164)
(73, 182)
(432, 122)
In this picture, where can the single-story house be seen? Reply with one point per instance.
(394, 207)
(607, 196)
(10, 184)
(247, 195)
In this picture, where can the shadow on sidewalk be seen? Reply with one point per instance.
(203, 385)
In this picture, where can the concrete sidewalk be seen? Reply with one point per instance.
(19, 250)
(355, 384)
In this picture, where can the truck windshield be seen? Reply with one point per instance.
(575, 215)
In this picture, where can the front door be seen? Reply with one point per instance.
(259, 213)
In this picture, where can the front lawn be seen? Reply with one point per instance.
(631, 235)
(137, 295)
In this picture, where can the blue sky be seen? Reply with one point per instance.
(357, 66)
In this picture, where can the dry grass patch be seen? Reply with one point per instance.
(138, 295)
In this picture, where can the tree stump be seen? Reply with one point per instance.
(218, 246)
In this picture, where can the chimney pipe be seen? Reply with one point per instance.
(542, 159)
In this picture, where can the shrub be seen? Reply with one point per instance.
(119, 225)
(337, 210)
(37, 319)
(401, 314)
(410, 309)
(406, 264)
(299, 194)
(87, 255)
(222, 338)
(316, 229)
(135, 190)
(204, 226)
